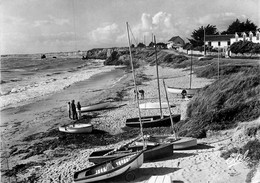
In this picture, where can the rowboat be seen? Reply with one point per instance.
(178, 144)
(155, 105)
(152, 121)
(153, 151)
(98, 107)
(76, 128)
(110, 168)
(190, 91)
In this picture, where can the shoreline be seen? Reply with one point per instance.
(62, 161)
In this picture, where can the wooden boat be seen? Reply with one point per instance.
(153, 121)
(153, 151)
(109, 169)
(178, 144)
(98, 107)
(190, 91)
(76, 128)
(155, 105)
(160, 179)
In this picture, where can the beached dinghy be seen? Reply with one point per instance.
(178, 144)
(76, 128)
(98, 107)
(153, 151)
(155, 105)
(153, 121)
(190, 91)
(109, 169)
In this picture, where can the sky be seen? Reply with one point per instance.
(43, 26)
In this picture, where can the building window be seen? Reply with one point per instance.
(219, 43)
(228, 43)
(209, 43)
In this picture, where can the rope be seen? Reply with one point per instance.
(133, 35)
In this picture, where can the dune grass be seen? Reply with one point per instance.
(253, 148)
(232, 98)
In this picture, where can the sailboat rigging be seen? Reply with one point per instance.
(156, 120)
(185, 92)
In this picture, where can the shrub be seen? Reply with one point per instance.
(223, 103)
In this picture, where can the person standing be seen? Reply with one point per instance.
(73, 108)
(79, 110)
(69, 110)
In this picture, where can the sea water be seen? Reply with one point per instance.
(28, 77)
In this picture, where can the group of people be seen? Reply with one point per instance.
(74, 111)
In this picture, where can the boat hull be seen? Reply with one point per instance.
(97, 107)
(178, 144)
(190, 91)
(101, 171)
(155, 105)
(152, 121)
(77, 128)
(153, 152)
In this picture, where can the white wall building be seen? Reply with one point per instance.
(254, 37)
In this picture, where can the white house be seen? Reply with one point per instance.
(219, 41)
(254, 37)
(175, 42)
(224, 41)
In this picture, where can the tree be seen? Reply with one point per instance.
(198, 35)
(238, 26)
(243, 47)
(151, 44)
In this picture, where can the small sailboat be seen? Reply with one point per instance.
(76, 128)
(110, 168)
(155, 105)
(178, 143)
(185, 92)
(153, 151)
(153, 121)
(156, 120)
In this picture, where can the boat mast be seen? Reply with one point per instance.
(158, 82)
(133, 72)
(166, 94)
(190, 67)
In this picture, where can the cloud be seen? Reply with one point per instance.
(105, 33)
(51, 20)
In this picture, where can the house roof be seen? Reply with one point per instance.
(174, 38)
(226, 37)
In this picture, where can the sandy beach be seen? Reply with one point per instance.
(200, 164)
